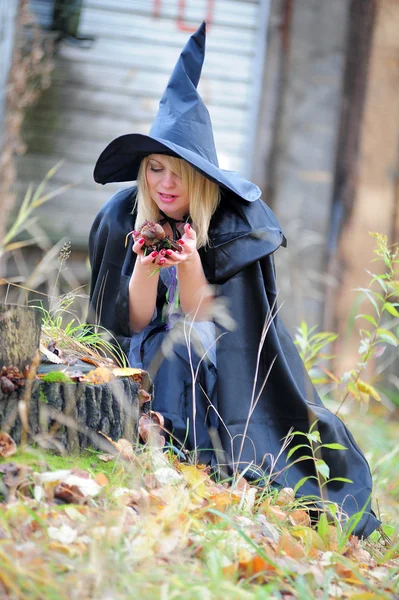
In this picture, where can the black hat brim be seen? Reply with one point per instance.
(120, 161)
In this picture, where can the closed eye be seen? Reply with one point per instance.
(155, 170)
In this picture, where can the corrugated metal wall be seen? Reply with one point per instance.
(114, 86)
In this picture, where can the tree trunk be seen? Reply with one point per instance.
(375, 189)
(19, 335)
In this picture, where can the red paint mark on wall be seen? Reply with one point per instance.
(156, 8)
(181, 20)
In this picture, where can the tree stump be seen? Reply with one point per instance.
(19, 335)
(69, 416)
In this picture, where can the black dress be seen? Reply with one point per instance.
(239, 261)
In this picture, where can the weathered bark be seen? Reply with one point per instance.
(70, 415)
(19, 335)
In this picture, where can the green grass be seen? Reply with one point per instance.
(174, 542)
(116, 471)
(377, 435)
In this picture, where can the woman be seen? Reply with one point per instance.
(168, 286)
(252, 389)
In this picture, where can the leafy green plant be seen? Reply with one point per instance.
(310, 346)
(79, 338)
(383, 330)
(385, 305)
(314, 443)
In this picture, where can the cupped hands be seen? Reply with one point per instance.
(168, 258)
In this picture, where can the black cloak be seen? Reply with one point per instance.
(239, 261)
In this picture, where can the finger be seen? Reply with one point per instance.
(175, 259)
(150, 258)
(167, 262)
(138, 247)
(189, 232)
(170, 255)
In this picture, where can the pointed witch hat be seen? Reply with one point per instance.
(182, 128)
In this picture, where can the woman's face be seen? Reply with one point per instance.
(166, 188)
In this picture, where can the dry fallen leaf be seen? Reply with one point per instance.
(70, 494)
(149, 429)
(101, 479)
(347, 572)
(221, 500)
(273, 513)
(360, 555)
(99, 375)
(365, 596)
(88, 487)
(195, 478)
(122, 446)
(285, 496)
(7, 445)
(290, 546)
(127, 372)
(50, 356)
(106, 457)
(80, 473)
(331, 539)
(144, 397)
(59, 475)
(63, 534)
(300, 517)
(167, 476)
(255, 567)
(309, 537)
(14, 475)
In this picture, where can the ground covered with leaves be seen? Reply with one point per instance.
(110, 526)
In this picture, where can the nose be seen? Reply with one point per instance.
(169, 179)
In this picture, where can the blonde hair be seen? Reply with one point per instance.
(204, 197)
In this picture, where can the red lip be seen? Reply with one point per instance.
(170, 198)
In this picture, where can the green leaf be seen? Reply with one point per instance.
(389, 307)
(323, 468)
(322, 528)
(388, 529)
(314, 436)
(366, 333)
(302, 481)
(297, 433)
(340, 479)
(320, 380)
(379, 279)
(334, 446)
(370, 295)
(388, 337)
(313, 425)
(368, 318)
(325, 336)
(291, 452)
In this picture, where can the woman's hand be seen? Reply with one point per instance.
(188, 243)
(139, 249)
